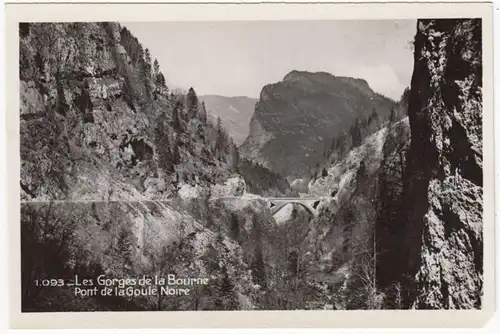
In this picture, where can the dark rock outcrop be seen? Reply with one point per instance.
(444, 183)
(295, 117)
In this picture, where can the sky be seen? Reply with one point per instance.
(239, 58)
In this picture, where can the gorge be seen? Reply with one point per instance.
(326, 204)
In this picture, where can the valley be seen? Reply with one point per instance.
(313, 197)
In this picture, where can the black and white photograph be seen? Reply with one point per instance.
(251, 165)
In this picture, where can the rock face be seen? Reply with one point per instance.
(132, 239)
(444, 189)
(102, 145)
(336, 246)
(96, 126)
(235, 113)
(295, 117)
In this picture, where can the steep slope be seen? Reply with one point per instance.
(262, 181)
(402, 227)
(444, 231)
(97, 121)
(235, 113)
(100, 135)
(337, 148)
(295, 117)
(338, 249)
(132, 240)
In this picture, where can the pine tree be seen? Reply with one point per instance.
(203, 113)
(356, 133)
(154, 77)
(123, 246)
(324, 173)
(176, 153)
(176, 122)
(235, 158)
(219, 125)
(258, 268)
(161, 84)
(192, 104)
(258, 265)
(293, 260)
(220, 140)
(211, 259)
(165, 156)
(147, 63)
(392, 116)
(156, 69)
(227, 296)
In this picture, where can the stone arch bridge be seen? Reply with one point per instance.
(308, 203)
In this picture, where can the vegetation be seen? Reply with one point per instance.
(263, 181)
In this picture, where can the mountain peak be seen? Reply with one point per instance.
(297, 75)
(325, 78)
(295, 117)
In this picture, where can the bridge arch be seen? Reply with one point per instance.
(279, 207)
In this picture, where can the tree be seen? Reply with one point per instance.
(211, 260)
(324, 173)
(293, 264)
(156, 79)
(176, 122)
(156, 68)
(226, 298)
(123, 246)
(161, 84)
(356, 133)
(258, 265)
(235, 158)
(176, 153)
(203, 113)
(147, 63)
(392, 116)
(192, 104)
(362, 174)
(220, 145)
(165, 156)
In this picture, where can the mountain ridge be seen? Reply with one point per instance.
(306, 108)
(235, 113)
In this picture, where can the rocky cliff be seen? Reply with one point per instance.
(402, 225)
(188, 239)
(295, 117)
(100, 135)
(235, 113)
(444, 186)
(98, 123)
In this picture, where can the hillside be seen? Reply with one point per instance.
(295, 117)
(235, 113)
(402, 225)
(98, 122)
(100, 135)
(340, 240)
(122, 178)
